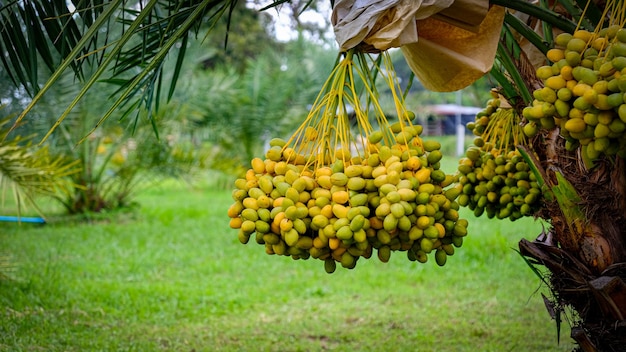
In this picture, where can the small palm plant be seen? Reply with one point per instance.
(28, 171)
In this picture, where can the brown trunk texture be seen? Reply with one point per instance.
(586, 259)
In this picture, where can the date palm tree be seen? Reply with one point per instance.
(61, 36)
(584, 250)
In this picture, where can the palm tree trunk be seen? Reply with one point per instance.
(586, 261)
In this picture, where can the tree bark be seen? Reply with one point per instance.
(586, 259)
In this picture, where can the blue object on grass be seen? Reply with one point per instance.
(29, 219)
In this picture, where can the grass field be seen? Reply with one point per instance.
(172, 276)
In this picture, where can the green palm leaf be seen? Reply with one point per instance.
(133, 56)
(523, 29)
(56, 75)
(27, 171)
(512, 71)
(147, 76)
(539, 12)
(65, 35)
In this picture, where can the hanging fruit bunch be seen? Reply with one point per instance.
(494, 178)
(584, 91)
(338, 194)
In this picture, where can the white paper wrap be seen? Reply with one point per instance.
(447, 43)
(382, 24)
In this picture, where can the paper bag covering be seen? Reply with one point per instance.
(380, 24)
(448, 44)
(447, 57)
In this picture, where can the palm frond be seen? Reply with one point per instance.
(539, 12)
(516, 75)
(546, 27)
(132, 54)
(27, 171)
(14, 45)
(274, 4)
(68, 61)
(147, 77)
(592, 13)
(509, 54)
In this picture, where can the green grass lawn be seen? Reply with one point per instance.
(172, 276)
